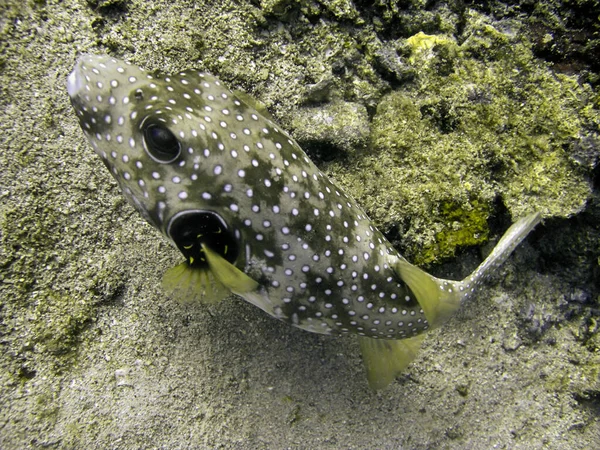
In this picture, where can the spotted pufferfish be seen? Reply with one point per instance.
(254, 216)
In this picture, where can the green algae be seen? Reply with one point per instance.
(421, 43)
(49, 315)
(335, 130)
(57, 321)
(467, 227)
(483, 120)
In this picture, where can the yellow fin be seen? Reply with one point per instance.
(208, 284)
(503, 249)
(227, 274)
(192, 284)
(441, 298)
(438, 298)
(385, 359)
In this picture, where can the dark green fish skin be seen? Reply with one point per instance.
(188, 153)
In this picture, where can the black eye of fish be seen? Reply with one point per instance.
(192, 229)
(160, 143)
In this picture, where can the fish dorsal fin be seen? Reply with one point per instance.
(207, 284)
(439, 298)
(385, 359)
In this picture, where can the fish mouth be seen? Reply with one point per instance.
(191, 230)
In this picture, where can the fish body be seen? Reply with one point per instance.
(254, 216)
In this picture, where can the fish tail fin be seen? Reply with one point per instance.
(441, 298)
(208, 284)
(385, 359)
(503, 249)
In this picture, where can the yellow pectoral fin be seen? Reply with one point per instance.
(227, 274)
(385, 359)
(187, 283)
(208, 284)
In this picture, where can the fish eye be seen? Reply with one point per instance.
(160, 143)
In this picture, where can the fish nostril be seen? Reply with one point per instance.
(160, 143)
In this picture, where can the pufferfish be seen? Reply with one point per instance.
(254, 216)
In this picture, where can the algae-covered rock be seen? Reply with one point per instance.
(483, 119)
(332, 130)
